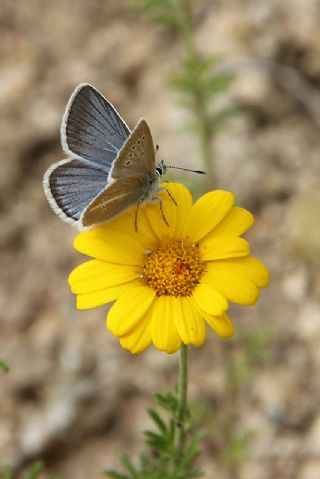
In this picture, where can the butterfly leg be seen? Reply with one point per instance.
(161, 209)
(136, 217)
(169, 194)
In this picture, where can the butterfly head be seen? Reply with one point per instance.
(161, 168)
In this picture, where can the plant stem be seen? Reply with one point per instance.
(182, 402)
(199, 101)
(205, 138)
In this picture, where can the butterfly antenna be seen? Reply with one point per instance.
(200, 172)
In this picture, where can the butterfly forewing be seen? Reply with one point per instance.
(92, 128)
(137, 155)
(70, 185)
(115, 199)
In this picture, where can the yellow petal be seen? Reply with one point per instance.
(251, 268)
(130, 310)
(206, 214)
(238, 279)
(235, 223)
(222, 325)
(248, 267)
(104, 296)
(162, 223)
(189, 322)
(172, 197)
(209, 299)
(184, 204)
(222, 247)
(110, 245)
(234, 286)
(126, 223)
(139, 339)
(145, 234)
(165, 336)
(95, 275)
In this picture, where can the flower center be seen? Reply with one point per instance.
(173, 269)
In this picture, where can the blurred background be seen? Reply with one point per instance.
(73, 397)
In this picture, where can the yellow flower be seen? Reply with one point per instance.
(169, 281)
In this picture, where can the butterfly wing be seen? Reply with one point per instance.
(115, 199)
(137, 155)
(92, 128)
(70, 185)
(99, 143)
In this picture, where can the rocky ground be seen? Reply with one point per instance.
(64, 400)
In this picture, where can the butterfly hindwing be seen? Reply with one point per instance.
(92, 128)
(137, 155)
(70, 185)
(115, 199)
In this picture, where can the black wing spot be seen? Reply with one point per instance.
(128, 162)
(130, 154)
(138, 142)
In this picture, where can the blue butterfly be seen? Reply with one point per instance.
(109, 167)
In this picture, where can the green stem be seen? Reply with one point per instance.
(185, 26)
(205, 138)
(182, 402)
(199, 101)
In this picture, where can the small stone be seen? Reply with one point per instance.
(308, 322)
(303, 229)
(295, 284)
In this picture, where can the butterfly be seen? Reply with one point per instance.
(109, 168)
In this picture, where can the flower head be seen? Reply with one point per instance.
(169, 281)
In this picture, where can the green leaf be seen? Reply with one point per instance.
(4, 366)
(114, 474)
(158, 420)
(183, 83)
(152, 4)
(129, 466)
(36, 470)
(158, 11)
(217, 84)
(167, 401)
(156, 441)
(193, 473)
(172, 430)
(192, 450)
(144, 461)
